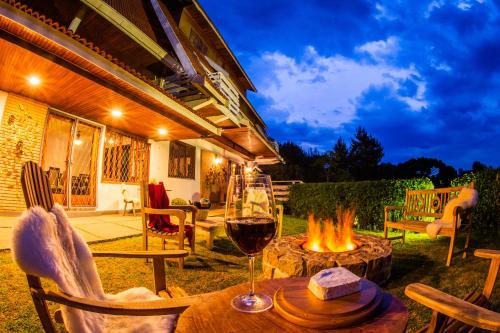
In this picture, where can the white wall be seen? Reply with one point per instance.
(109, 196)
(3, 100)
(181, 188)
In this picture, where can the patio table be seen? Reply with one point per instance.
(215, 314)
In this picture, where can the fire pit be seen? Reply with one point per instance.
(326, 247)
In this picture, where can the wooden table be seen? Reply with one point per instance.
(215, 314)
(211, 227)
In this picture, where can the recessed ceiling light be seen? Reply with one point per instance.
(34, 80)
(116, 113)
(162, 131)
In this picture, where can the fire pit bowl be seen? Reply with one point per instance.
(286, 257)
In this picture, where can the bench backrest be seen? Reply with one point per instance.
(430, 203)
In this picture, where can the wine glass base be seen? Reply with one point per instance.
(252, 303)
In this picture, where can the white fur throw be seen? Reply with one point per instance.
(46, 245)
(467, 198)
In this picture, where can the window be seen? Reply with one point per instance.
(181, 162)
(125, 160)
(198, 44)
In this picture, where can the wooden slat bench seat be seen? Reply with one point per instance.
(423, 206)
(416, 226)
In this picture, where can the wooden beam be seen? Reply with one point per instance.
(174, 40)
(119, 21)
(203, 104)
(218, 119)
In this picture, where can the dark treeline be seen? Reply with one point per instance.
(358, 160)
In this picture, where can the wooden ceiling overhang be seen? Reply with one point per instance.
(250, 139)
(78, 79)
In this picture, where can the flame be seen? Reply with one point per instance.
(331, 237)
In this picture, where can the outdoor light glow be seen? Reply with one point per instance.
(162, 131)
(34, 80)
(77, 140)
(116, 113)
(248, 169)
(111, 141)
(218, 160)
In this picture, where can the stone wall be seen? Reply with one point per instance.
(21, 136)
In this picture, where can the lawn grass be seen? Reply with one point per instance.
(419, 260)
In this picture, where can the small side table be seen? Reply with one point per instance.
(211, 228)
(215, 314)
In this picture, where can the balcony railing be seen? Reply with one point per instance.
(229, 90)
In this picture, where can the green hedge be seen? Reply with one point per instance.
(367, 197)
(486, 214)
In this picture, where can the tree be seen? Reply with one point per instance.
(364, 156)
(440, 173)
(339, 162)
(295, 163)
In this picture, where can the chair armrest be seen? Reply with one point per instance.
(138, 308)
(389, 208)
(179, 213)
(191, 208)
(488, 254)
(142, 254)
(454, 307)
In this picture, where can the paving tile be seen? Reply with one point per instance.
(107, 230)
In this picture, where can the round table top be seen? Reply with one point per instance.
(215, 314)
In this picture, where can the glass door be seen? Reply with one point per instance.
(69, 158)
(84, 165)
(55, 155)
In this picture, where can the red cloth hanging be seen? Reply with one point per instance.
(158, 199)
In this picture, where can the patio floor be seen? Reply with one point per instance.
(93, 228)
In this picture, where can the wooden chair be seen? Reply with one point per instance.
(37, 192)
(129, 200)
(451, 314)
(178, 211)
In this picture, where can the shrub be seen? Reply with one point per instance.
(178, 202)
(486, 214)
(367, 197)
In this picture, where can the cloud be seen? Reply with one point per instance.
(324, 91)
(381, 49)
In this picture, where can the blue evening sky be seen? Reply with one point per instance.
(423, 77)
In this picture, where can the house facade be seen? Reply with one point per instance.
(106, 93)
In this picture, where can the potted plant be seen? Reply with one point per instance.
(203, 207)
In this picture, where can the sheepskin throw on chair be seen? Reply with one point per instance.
(46, 245)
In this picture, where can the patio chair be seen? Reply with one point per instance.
(129, 200)
(179, 211)
(37, 192)
(451, 314)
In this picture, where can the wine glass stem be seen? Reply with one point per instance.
(251, 260)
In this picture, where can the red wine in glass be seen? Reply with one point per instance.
(251, 234)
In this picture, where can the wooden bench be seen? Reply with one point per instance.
(211, 228)
(422, 207)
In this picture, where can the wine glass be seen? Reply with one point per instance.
(251, 223)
